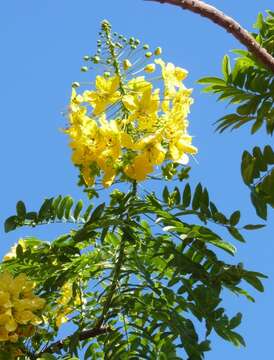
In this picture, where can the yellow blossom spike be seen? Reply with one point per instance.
(127, 125)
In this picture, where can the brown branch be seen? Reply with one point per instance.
(232, 26)
(87, 334)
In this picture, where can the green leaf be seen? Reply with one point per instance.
(21, 210)
(268, 154)
(255, 282)
(257, 125)
(197, 197)
(260, 205)
(19, 251)
(211, 80)
(235, 218)
(247, 167)
(45, 211)
(68, 206)
(226, 68)
(98, 211)
(11, 223)
(186, 196)
(61, 208)
(236, 339)
(165, 194)
(235, 321)
(236, 234)
(253, 227)
(77, 210)
(87, 212)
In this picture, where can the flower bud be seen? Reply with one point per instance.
(96, 59)
(86, 57)
(148, 54)
(158, 51)
(105, 25)
(75, 84)
(84, 68)
(126, 64)
(150, 68)
(107, 74)
(146, 47)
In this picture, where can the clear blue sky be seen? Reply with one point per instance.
(42, 44)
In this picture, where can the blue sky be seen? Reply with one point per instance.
(42, 44)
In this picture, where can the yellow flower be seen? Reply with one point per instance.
(179, 146)
(107, 93)
(17, 305)
(66, 303)
(152, 149)
(151, 153)
(75, 101)
(172, 76)
(143, 108)
(139, 169)
(138, 85)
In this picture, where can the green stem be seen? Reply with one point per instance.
(106, 27)
(118, 266)
(116, 275)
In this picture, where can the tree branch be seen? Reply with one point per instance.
(229, 24)
(87, 334)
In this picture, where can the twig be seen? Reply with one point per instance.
(87, 334)
(226, 22)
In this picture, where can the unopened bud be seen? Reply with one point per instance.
(105, 25)
(75, 84)
(96, 59)
(146, 47)
(84, 68)
(126, 64)
(106, 74)
(158, 51)
(86, 57)
(150, 68)
(148, 54)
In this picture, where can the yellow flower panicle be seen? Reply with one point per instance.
(18, 307)
(126, 126)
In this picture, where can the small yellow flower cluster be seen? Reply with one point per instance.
(66, 304)
(126, 126)
(18, 305)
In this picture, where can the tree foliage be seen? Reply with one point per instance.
(141, 276)
(249, 87)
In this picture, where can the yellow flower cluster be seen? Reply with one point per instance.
(126, 126)
(18, 305)
(66, 304)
